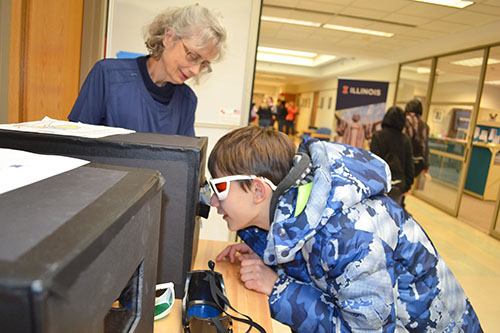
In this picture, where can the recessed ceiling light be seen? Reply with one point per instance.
(290, 21)
(287, 52)
(358, 30)
(474, 62)
(449, 3)
(423, 70)
(291, 57)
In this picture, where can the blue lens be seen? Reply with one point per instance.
(203, 311)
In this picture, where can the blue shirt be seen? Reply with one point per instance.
(114, 94)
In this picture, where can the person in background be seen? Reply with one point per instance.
(290, 118)
(395, 148)
(418, 132)
(281, 113)
(332, 252)
(149, 94)
(265, 114)
(272, 109)
(252, 115)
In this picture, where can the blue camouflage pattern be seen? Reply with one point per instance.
(354, 260)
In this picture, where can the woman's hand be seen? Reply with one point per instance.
(232, 250)
(256, 275)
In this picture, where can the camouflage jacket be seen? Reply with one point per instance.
(353, 260)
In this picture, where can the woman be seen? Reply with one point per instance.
(148, 94)
(395, 148)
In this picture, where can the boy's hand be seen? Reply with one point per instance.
(232, 250)
(256, 275)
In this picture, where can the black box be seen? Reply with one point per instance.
(72, 244)
(180, 159)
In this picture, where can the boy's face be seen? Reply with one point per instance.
(242, 209)
(235, 208)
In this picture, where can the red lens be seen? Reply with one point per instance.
(221, 187)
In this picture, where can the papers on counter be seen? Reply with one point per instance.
(61, 127)
(19, 168)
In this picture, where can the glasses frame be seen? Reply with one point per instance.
(228, 179)
(194, 59)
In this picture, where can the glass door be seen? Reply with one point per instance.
(482, 184)
(451, 110)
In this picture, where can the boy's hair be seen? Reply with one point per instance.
(252, 150)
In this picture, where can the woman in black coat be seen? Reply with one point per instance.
(395, 148)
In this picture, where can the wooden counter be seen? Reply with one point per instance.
(246, 301)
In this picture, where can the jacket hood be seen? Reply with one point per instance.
(342, 177)
(394, 118)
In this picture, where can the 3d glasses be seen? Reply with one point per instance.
(220, 186)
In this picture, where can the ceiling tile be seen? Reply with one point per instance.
(446, 27)
(407, 19)
(363, 12)
(385, 5)
(485, 9)
(491, 3)
(426, 10)
(347, 21)
(471, 18)
(327, 6)
(422, 33)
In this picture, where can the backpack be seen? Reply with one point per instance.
(418, 137)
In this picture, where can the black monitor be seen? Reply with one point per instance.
(180, 159)
(78, 252)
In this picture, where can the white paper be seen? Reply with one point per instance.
(61, 127)
(20, 168)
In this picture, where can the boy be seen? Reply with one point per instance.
(331, 251)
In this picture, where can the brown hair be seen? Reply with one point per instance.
(253, 150)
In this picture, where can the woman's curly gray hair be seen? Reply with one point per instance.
(194, 22)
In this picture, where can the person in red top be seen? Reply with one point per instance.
(291, 111)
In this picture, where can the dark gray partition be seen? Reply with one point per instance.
(72, 244)
(180, 159)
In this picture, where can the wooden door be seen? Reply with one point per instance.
(44, 58)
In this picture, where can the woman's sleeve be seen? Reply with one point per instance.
(359, 292)
(89, 107)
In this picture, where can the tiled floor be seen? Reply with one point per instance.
(472, 255)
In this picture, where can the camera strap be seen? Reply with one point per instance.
(222, 301)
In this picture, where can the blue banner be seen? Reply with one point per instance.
(353, 93)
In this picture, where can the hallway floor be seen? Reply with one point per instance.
(472, 255)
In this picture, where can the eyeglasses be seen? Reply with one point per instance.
(221, 185)
(195, 59)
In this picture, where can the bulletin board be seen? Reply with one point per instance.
(224, 96)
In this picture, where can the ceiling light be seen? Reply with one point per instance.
(449, 3)
(290, 21)
(474, 62)
(423, 70)
(292, 57)
(495, 83)
(358, 30)
(290, 60)
(287, 52)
